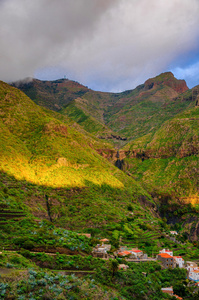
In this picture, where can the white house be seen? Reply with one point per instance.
(123, 267)
(191, 266)
(174, 232)
(179, 261)
(136, 252)
(168, 290)
(167, 251)
(194, 275)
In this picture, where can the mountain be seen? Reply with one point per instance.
(43, 157)
(59, 180)
(117, 117)
(157, 121)
(167, 165)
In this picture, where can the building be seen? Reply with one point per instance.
(193, 271)
(167, 260)
(124, 253)
(191, 266)
(138, 253)
(194, 275)
(169, 290)
(166, 251)
(179, 261)
(123, 267)
(104, 240)
(173, 232)
(101, 251)
(88, 235)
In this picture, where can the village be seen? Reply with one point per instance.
(165, 257)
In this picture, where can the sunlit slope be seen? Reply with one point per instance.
(168, 161)
(41, 149)
(41, 155)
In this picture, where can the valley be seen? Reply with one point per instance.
(124, 166)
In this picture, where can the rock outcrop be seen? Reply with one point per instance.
(167, 79)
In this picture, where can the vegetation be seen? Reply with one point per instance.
(55, 186)
(140, 281)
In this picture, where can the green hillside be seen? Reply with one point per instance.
(114, 116)
(167, 165)
(171, 154)
(54, 185)
(57, 160)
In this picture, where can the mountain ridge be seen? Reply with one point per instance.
(113, 110)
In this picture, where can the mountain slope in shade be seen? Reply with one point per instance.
(126, 115)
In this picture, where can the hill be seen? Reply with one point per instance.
(117, 117)
(167, 165)
(54, 185)
(49, 158)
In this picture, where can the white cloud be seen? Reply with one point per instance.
(109, 45)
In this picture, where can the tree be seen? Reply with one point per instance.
(114, 266)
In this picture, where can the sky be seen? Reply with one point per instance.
(107, 45)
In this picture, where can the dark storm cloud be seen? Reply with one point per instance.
(108, 45)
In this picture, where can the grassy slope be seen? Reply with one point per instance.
(131, 114)
(42, 155)
(173, 165)
(78, 111)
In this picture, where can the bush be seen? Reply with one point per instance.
(29, 245)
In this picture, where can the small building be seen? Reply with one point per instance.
(191, 266)
(138, 253)
(166, 251)
(107, 247)
(88, 235)
(123, 267)
(177, 297)
(194, 275)
(167, 260)
(179, 261)
(124, 253)
(169, 290)
(101, 250)
(104, 240)
(173, 232)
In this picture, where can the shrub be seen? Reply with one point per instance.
(29, 245)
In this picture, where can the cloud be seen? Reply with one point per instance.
(107, 45)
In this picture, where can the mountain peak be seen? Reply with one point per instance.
(167, 79)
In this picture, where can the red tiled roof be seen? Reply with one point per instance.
(124, 253)
(177, 256)
(178, 297)
(136, 250)
(165, 255)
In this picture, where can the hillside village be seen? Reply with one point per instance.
(165, 257)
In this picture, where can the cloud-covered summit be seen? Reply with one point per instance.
(105, 44)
